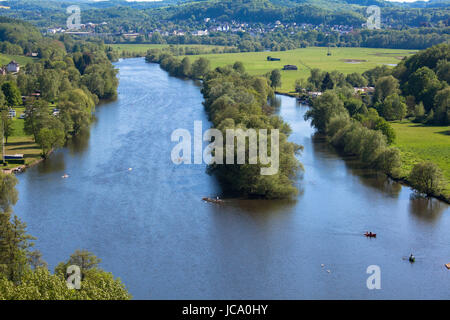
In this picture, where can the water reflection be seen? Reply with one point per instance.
(426, 209)
(55, 164)
(79, 143)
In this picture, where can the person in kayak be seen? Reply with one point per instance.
(412, 258)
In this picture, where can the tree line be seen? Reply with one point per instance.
(357, 124)
(70, 80)
(236, 100)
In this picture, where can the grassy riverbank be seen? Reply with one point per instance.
(419, 143)
(346, 60)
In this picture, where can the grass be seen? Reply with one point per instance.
(25, 145)
(307, 58)
(419, 143)
(22, 143)
(142, 48)
(22, 60)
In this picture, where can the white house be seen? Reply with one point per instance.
(13, 67)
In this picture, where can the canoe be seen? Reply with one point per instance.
(448, 266)
(373, 235)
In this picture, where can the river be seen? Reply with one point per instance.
(151, 229)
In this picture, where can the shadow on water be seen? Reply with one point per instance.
(79, 143)
(368, 177)
(426, 209)
(55, 164)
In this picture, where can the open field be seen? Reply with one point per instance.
(142, 48)
(346, 60)
(421, 143)
(22, 60)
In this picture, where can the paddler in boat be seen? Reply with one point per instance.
(412, 258)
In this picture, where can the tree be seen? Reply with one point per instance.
(239, 67)
(200, 67)
(81, 258)
(49, 139)
(323, 109)
(12, 94)
(356, 80)
(275, 78)
(8, 192)
(426, 177)
(386, 129)
(423, 84)
(385, 87)
(7, 125)
(393, 108)
(327, 83)
(186, 67)
(442, 107)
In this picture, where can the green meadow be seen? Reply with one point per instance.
(142, 48)
(419, 143)
(22, 60)
(346, 60)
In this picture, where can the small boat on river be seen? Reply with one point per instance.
(370, 235)
(217, 201)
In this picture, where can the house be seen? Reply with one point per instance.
(290, 67)
(364, 90)
(200, 33)
(13, 67)
(11, 113)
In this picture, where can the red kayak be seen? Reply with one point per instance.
(370, 235)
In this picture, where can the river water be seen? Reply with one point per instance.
(151, 229)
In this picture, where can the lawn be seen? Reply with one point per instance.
(25, 145)
(424, 143)
(346, 60)
(22, 60)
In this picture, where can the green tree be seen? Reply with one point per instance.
(186, 67)
(426, 177)
(275, 78)
(442, 107)
(356, 80)
(393, 108)
(49, 139)
(200, 67)
(7, 125)
(385, 87)
(8, 192)
(12, 94)
(323, 108)
(239, 67)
